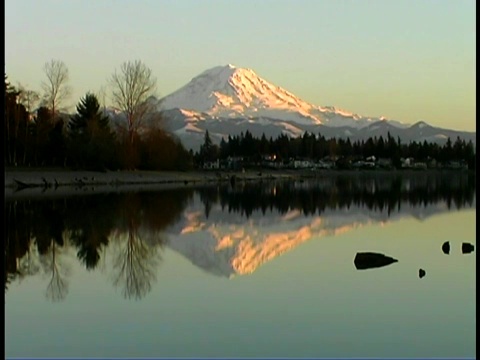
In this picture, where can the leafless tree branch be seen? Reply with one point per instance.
(55, 87)
(131, 86)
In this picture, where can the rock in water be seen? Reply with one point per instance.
(446, 247)
(369, 260)
(467, 248)
(421, 273)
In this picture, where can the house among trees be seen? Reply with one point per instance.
(420, 165)
(325, 164)
(457, 165)
(407, 162)
(303, 164)
(384, 163)
(211, 165)
(431, 163)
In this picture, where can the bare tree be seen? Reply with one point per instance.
(102, 97)
(28, 98)
(55, 87)
(131, 88)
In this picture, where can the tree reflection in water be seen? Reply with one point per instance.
(57, 287)
(135, 265)
(91, 222)
(49, 237)
(135, 260)
(40, 232)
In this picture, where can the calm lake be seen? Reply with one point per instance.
(261, 269)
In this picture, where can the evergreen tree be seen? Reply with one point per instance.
(264, 145)
(223, 149)
(90, 137)
(208, 151)
(88, 112)
(16, 126)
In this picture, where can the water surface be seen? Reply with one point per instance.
(257, 270)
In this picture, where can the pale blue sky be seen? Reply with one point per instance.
(408, 60)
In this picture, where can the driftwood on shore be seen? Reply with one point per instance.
(21, 185)
(52, 183)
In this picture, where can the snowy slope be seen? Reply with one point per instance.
(228, 91)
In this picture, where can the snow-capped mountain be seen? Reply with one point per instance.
(227, 100)
(231, 92)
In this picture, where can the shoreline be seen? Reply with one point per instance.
(36, 183)
(51, 178)
(15, 178)
(31, 183)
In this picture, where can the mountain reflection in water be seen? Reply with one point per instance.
(223, 229)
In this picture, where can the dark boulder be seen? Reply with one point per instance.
(369, 260)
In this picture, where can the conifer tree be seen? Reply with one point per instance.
(91, 139)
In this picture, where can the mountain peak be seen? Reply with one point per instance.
(228, 91)
(421, 124)
(224, 72)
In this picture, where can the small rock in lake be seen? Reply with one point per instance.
(421, 273)
(446, 247)
(467, 248)
(369, 260)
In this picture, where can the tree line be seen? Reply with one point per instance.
(39, 134)
(317, 147)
